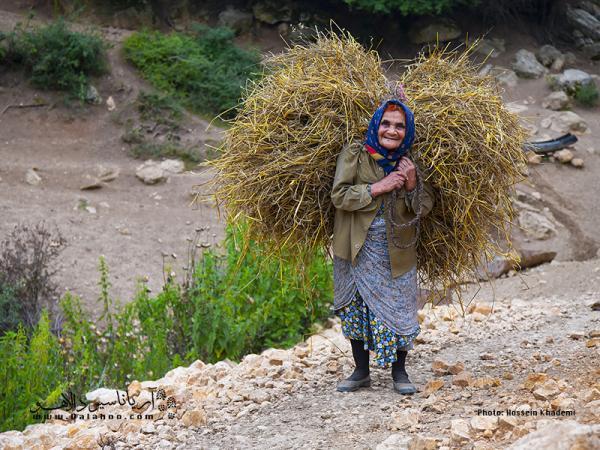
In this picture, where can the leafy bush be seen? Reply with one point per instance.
(587, 94)
(27, 266)
(31, 370)
(227, 306)
(406, 7)
(204, 69)
(161, 109)
(58, 58)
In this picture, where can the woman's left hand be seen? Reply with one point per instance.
(407, 167)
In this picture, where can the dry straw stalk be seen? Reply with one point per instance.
(278, 158)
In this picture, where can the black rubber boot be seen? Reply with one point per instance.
(361, 359)
(402, 383)
(360, 377)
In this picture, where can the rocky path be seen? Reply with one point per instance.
(530, 356)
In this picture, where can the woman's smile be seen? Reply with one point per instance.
(392, 130)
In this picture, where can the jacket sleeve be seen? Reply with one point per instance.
(344, 194)
(427, 200)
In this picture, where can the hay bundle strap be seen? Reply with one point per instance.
(416, 221)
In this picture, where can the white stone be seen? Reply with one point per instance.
(568, 121)
(559, 435)
(32, 177)
(556, 101)
(150, 172)
(459, 431)
(526, 65)
(172, 165)
(395, 442)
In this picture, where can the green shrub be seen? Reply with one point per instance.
(159, 150)
(203, 69)
(406, 7)
(58, 58)
(231, 303)
(587, 94)
(160, 109)
(31, 371)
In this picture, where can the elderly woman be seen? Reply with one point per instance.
(375, 277)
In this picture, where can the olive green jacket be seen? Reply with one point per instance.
(356, 209)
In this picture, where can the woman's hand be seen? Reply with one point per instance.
(394, 180)
(407, 168)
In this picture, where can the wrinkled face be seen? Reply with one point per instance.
(392, 129)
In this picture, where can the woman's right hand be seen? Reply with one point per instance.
(395, 180)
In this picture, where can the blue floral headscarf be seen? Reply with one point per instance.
(384, 158)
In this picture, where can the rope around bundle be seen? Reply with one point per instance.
(278, 158)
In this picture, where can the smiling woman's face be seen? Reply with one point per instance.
(392, 129)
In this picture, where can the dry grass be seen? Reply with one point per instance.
(470, 146)
(279, 155)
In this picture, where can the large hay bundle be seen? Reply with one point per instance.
(278, 158)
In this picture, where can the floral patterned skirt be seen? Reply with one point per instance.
(359, 323)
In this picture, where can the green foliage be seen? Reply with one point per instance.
(587, 94)
(203, 69)
(245, 305)
(10, 311)
(31, 372)
(233, 303)
(58, 58)
(406, 7)
(158, 150)
(160, 109)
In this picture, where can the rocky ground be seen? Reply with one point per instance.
(528, 351)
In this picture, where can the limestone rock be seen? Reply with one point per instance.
(564, 156)
(569, 80)
(463, 379)
(585, 22)
(434, 30)
(483, 423)
(459, 431)
(559, 435)
(91, 183)
(505, 77)
(433, 386)
(110, 103)
(194, 418)
(536, 225)
(486, 382)
(104, 395)
(547, 54)
(394, 442)
(404, 419)
(150, 172)
(568, 121)
(526, 65)
(107, 174)
(494, 268)
(547, 390)
(439, 367)
(556, 101)
(532, 258)
(172, 165)
(577, 162)
(32, 177)
(423, 443)
(92, 95)
(238, 21)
